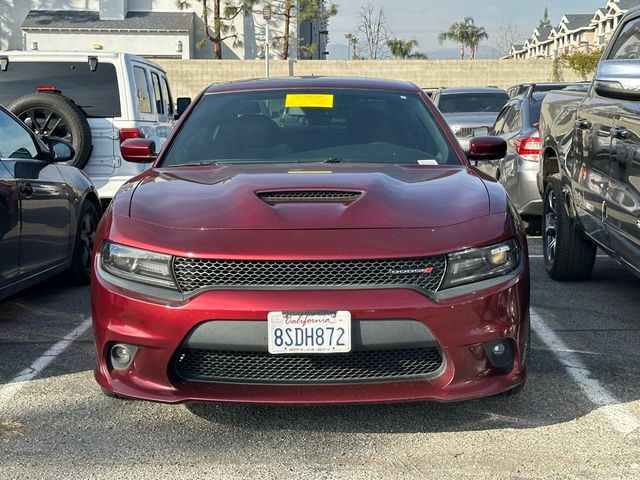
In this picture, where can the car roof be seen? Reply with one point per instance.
(356, 83)
(61, 56)
(537, 96)
(449, 91)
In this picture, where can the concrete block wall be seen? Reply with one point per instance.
(188, 77)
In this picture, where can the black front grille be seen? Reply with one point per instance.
(263, 367)
(422, 273)
(309, 196)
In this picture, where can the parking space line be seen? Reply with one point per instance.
(621, 419)
(9, 390)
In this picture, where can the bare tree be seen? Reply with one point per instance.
(375, 32)
(508, 34)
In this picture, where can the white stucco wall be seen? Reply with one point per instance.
(138, 43)
(250, 28)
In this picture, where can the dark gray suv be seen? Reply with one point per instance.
(48, 210)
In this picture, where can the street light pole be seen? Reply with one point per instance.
(266, 15)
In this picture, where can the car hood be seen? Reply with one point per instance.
(384, 196)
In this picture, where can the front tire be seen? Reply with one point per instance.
(568, 255)
(82, 260)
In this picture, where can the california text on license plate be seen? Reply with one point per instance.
(309, 332)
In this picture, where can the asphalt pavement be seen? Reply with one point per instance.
(578, 416)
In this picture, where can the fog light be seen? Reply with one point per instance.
(500, 353)
(122, 355)
(499, 349)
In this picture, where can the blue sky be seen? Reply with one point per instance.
(424, 19)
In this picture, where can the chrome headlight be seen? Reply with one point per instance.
(477, 264)
(138, 265)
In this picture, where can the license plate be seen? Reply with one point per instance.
(309, 332)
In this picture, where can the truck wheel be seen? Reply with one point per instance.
(568, 255)
(82, 260)
(51, 115)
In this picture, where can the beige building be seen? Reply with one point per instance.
(574, 32)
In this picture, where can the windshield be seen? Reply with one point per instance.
(472, 102)
(284, 126)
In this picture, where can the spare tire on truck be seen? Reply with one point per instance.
(52, 115)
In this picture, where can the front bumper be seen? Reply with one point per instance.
(459, 326)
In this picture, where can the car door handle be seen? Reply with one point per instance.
(620, 133)
(26, 190)
(583, 124)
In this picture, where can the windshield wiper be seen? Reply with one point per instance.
(334, 160)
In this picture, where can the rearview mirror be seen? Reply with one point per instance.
(618, 79)
(487, 148)
(61, 150)
(181, 105)
(138, 150)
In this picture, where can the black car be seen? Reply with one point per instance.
(48, 210)
(524, 88)
(589, 172)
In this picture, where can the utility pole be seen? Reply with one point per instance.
(266, 15)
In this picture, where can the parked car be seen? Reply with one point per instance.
(470, 111)
(523, 88)
(48, 210)
(517, 123)
(262, 261)
(94, 100)
(589, 175)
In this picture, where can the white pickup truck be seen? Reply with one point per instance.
(94, 100)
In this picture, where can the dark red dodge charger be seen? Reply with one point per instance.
(311, 241)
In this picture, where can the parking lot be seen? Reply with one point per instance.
(578, 416)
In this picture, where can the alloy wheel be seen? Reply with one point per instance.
(46, 124)
(87, 236)
(549, 229)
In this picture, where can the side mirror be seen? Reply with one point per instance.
(181, 106)
(61, 150)
(481, 131)
(487, 148)
(138, 150)
(618, 79)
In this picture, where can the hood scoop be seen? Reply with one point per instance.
(308, 196)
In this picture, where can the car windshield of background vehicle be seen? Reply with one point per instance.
(69, 78)
(280, 126)
(472, 102)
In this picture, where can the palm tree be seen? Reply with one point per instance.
(352, 42)
(401, 48)
(474, 35)
(457, 33)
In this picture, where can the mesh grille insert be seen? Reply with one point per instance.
(262, 367)
(309, 196)
(423, 273)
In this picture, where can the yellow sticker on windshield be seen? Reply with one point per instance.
(309, 100)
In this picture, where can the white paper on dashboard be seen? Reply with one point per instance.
(429, 161)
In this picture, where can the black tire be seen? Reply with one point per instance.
(51, 115)
(568, 255)
(81, 262)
